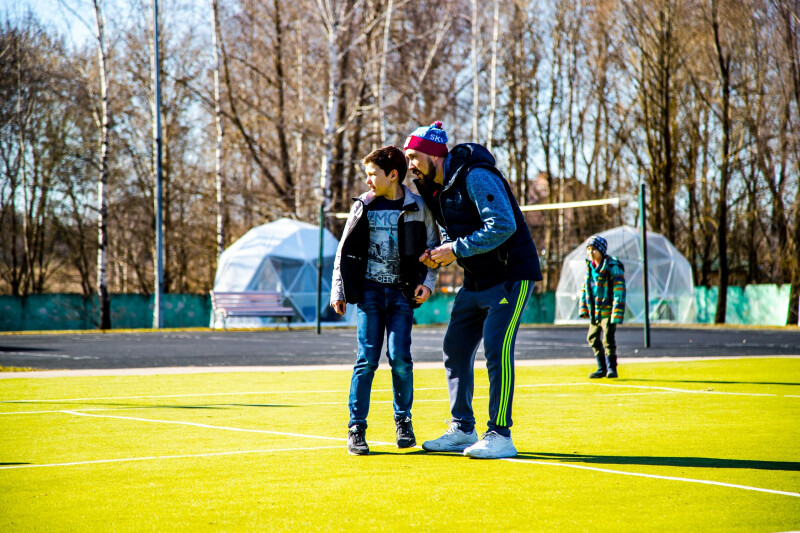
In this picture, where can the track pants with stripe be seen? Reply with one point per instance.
(493, 315)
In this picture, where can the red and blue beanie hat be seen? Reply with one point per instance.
(431, 140)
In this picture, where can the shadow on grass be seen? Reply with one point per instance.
(398, 452)
(634, 380)
(13, 464)
(684, 462)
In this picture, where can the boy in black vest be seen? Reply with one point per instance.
(484, 231)
(377, 267)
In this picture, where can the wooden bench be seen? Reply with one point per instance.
(250, 303)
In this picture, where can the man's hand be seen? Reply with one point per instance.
(421, 294)
(339, 306)
(443, 255)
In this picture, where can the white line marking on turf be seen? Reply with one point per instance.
(342, 391)
(86, 409)
(252, 393)
(653, 476)
(543, 463)
(174, 396)
(479, 364)
(688, 391)
(206, 426)
(312, 404)
(185, 456)
(224, 428)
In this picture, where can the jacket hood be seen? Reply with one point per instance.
(463, 156)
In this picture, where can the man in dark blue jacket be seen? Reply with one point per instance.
(484, 231)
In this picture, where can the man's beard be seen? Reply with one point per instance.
(429, 176)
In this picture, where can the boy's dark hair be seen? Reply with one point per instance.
(387, 159)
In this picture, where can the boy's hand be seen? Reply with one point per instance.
(421, 294)
(426, 260)
(339, 306)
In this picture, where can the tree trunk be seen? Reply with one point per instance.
(218, 181)
(493, 86)
(382, 76)
(102, 209)
(281, 122)
(475, 81)
(332, 29)
(722, 205)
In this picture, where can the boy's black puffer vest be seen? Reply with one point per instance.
(412, 239)
(516, 259)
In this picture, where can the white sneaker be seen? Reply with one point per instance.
(454, 440)
(492, 446)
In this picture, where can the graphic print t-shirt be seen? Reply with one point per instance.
(383, 260)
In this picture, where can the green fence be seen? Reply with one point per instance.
(766, 305)
(754, 304)
(72, 311)
(39, 312)
(541, 309)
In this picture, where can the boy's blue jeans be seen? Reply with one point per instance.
(382, 312)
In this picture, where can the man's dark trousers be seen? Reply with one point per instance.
(494, 315)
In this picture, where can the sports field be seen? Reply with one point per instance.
(679, 446)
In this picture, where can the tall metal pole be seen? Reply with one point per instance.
(158, 319)
(643, 239)
(319, 264)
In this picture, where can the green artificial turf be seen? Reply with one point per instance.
(735, 422)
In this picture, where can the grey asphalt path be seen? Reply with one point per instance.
(153, 349)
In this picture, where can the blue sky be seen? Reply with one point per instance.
(53, 14)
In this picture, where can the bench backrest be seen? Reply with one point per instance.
(251, 300)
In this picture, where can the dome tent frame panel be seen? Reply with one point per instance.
(283, 256)
(670, 280)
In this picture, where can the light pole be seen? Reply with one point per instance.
(158, 319)
(319, 194)
(643, 239)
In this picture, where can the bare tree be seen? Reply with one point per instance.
(724, 61)
(102, 209)
(475, 73)
(493, 83)
(788, 17)
(219, 185)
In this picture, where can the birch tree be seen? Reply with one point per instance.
(330, 12)
(382, 76)
(475, 73)
(493, 83)
(102, 208)
(219, 186)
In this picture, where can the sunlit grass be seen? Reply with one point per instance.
(258, 451)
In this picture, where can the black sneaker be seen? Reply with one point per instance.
(356, 442)
(405, 433)
(598, 374)
(612, 373)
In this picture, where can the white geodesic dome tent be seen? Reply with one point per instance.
(670, 282)
(281, 256)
